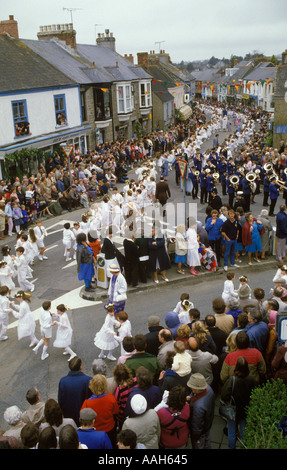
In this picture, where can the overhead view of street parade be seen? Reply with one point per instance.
(143, 271)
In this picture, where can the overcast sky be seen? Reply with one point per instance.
(187, 29)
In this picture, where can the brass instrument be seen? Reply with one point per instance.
(216, 176)
(234, 180)
(268, 167)
(257, 171)
(197, 173)
(251, 177)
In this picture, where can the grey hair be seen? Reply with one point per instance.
(12, 415)
(254, 313)
(99, 367)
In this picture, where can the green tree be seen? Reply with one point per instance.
(267, 406)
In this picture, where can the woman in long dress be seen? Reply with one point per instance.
(251, 237)
(192, 257)
(26, 321)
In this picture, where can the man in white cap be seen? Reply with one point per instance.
(117, 289)
(202, 402)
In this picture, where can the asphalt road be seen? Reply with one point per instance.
(56, 280)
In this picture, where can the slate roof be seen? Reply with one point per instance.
(262, 72)
(88, 63)
(22, 69)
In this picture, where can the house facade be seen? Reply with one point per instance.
(40, 106)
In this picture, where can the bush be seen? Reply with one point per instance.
(267, 406)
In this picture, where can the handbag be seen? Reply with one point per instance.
(228, 410)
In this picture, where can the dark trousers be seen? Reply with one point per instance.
(132, 273)
(265, 198)
(194, 191)
(247, 198)
(272, 206)
(216, 246)
(203, 195)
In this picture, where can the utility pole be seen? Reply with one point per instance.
(159, 43)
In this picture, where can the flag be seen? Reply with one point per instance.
(104, 89)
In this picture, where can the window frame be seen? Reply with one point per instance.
(19, 120)
(123, 98)
(146, 95)
(61, 110)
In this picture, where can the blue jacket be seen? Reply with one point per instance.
(273, 191)
(258, 334)
(281, 224)
(213, 230)
(73, 390)
(94, 439)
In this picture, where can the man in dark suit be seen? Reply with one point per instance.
(131, 261)
(162, 192)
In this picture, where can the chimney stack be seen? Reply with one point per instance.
(107, 40)
(142, 59)
(64, 32)
(10, 27)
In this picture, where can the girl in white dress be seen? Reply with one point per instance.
(29, 252)
(23, 270)
(64, 331)
(124, 330)
(33, 241)
(41, 233)
(6, 275)
(6, 252)
(46, 323)
(229, 292)
(26, 321)
(105, 338)
(5, 309)
(68, 240)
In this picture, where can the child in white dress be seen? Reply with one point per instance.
(243, 280)
(23, 270)
(6, 275)
(229, 292)
(192, 258)
(64, 331)
(33, 241)
(182, 308)
(26, 321)
(5, 309)
(40, 233)
(68, 240)
(105, 338)
(124, 330)
(6, 252)
(46, 323)
(25, 243)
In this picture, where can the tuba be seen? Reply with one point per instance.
(268, 167)
(234, 180)
(251, 177)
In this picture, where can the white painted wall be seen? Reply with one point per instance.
(41, 113)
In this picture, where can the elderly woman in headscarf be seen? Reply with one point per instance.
(265, 234)
(180, 248)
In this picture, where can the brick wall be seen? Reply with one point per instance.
(9, 26)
